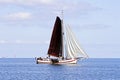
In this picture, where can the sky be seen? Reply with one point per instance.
(26, 26)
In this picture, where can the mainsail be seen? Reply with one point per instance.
(55, 48)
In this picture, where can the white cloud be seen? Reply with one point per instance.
(47, 42)
(2, 41)
(7, 1)
(55, 4)
(18, 16)
(30, 42)
(45, 1)
(26, 42)
(23, 42)
(20, 42)
(28, 2)
(95, 26)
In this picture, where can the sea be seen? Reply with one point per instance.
(88, 69)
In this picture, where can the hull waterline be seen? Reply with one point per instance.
(69, 61)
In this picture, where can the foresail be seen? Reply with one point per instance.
(69, 50)
(55, 47)
(73, 48)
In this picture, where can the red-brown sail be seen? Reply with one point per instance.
(55, 47)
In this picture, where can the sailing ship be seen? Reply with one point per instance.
(64, 47)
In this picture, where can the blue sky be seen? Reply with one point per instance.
(26, 26)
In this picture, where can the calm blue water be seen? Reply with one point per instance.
(89, 69)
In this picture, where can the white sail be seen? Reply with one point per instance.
(73, 49)
(69, 50)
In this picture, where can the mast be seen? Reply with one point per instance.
(62, 26)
